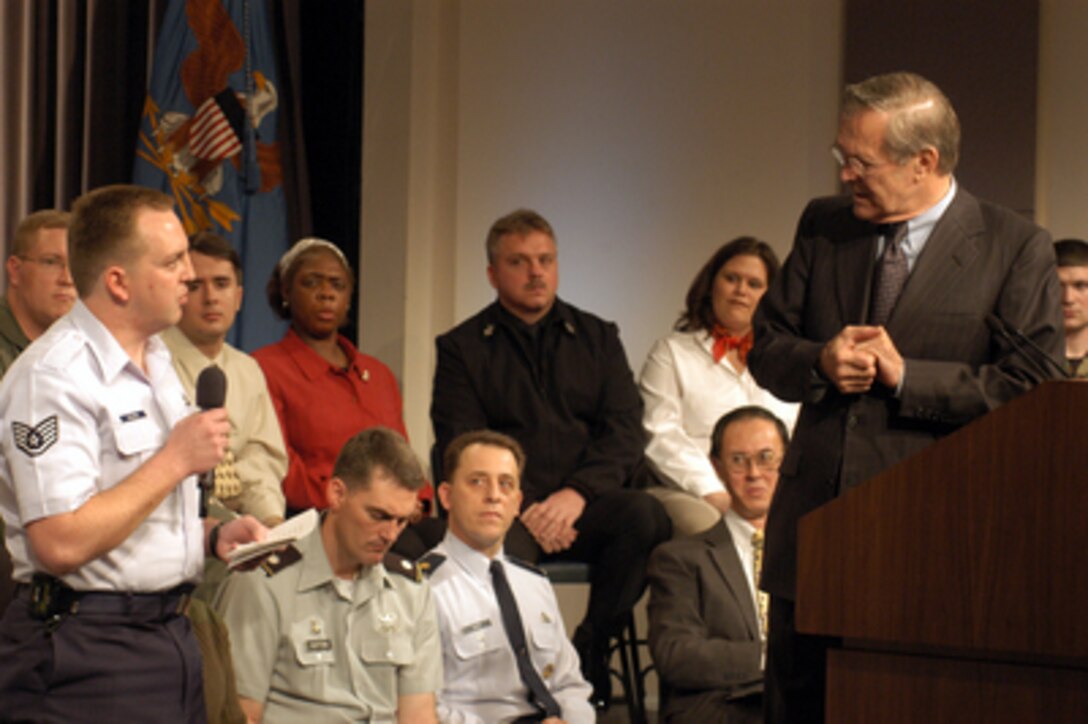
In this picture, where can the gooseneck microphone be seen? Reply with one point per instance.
(211, 393)
(1025, 344)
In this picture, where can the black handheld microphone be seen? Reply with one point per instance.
(211, 393)
(1023, 343)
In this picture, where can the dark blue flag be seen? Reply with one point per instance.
(209, 138)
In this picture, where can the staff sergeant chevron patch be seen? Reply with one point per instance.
(36, 439)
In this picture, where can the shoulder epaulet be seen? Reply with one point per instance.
(526, 565)
(277, 561)
(402, 566)
(64, 350)
(429, 563)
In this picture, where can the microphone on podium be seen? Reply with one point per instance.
(211, 393)
(1027, 347)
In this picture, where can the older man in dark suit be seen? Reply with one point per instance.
(707, 618)
(881, 324)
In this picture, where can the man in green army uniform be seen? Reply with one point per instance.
(335, 628)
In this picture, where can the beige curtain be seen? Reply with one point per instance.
(74, 76)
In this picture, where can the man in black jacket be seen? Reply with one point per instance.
(556, 379)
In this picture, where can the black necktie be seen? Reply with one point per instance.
(511, 621)
(891, 273)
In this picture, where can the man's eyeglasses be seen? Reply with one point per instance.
(766, 460)
(855, 164)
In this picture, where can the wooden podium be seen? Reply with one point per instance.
(958, 579)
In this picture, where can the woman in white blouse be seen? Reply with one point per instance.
(698, 373)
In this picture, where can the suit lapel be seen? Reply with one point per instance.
(952, 246)
(724, 555)
(854, 260)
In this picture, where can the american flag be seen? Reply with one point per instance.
(212, 135)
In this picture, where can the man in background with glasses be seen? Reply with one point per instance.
(707, 616)
(891, 323)
(40, 289)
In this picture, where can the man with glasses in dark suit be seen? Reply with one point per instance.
(707, 615)
(879, 324)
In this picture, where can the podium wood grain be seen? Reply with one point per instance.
(972, 554)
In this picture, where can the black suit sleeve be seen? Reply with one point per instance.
(617, 438)
(955, 392)
(455, 404)
(784, 359)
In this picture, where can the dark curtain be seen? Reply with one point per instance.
(75, 76)
(324, 50)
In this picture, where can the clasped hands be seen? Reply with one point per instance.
(859, 355)
(551, 521)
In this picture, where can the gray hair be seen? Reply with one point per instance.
(919, 116)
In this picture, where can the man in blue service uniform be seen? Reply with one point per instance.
(504, 647)
(337, 629)
(98, 491)
(556, 379)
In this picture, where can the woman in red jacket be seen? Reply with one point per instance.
(323, 388)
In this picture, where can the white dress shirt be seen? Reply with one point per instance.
(741, 532)
(685, 392)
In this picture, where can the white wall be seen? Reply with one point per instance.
(410, 151)
(647, 131)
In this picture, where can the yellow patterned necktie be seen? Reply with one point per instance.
(757, 571)
(227, 483)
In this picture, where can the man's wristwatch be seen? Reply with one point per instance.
(213, 539)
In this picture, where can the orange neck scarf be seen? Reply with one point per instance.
(723, 342)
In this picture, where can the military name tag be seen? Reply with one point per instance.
(478, 626)
(319, 645)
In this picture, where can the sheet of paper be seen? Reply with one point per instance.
(283, 534)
